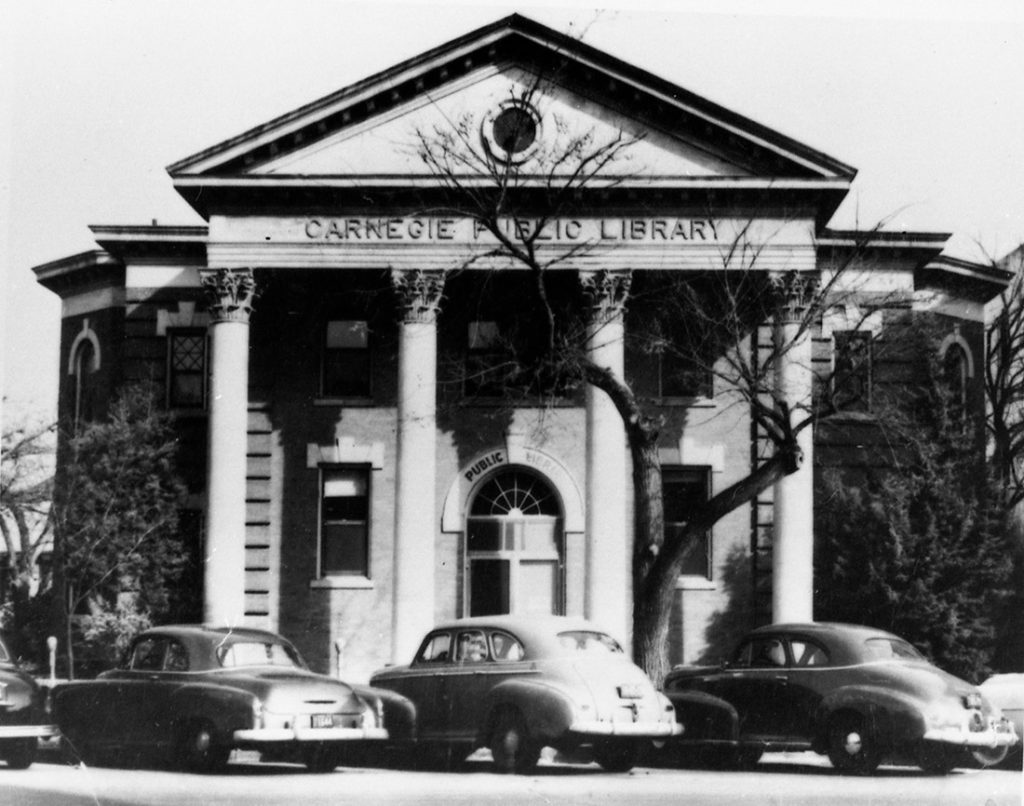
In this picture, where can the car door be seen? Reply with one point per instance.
(473, 675)
(155, 671)
(425, 682)
(808, 678)
(755, 685)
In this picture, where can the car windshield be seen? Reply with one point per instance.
(590, 642)
(890, 648)
(4, 656)
(258, 653)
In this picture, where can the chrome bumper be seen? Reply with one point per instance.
(28, 731)
(309, 734)
(644, 730)
(1000, 733)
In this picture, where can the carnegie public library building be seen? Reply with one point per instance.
(351, 480)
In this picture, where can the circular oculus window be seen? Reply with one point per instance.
(511, 131)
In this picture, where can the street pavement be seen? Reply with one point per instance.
(790, 779)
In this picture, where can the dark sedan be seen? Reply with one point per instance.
(194, 693)
(860, 695)
(23, 718)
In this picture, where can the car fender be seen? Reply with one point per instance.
(895, 719)
(399, 711)
(228, 708)
(705, 716)
(548, 711)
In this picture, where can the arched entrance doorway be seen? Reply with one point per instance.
(515, 546)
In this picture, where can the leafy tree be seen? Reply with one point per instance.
(26, 489)
(918, 548)
(708, 320)
(117, 505)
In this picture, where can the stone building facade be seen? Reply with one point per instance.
(351, 479)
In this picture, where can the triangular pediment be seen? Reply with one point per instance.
(368, 132)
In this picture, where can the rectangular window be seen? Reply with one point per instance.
(344, 521)
(682, 489)
(682, 376)
(485, 376)
(186, 369)
(852, 378)
(346, 359)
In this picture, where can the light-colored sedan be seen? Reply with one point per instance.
(1006, 692)
(518, 684)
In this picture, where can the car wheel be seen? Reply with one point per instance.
(851, 747)
(321, 758)
(617, 756)
(990, 756)
(19, 754)
(198, 750)
(510, 744)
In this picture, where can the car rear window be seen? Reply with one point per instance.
(257, 653)
(589, 642)
(883, 648)
(4, 656)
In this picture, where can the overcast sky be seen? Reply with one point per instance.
(925, 98)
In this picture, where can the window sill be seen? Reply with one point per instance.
(362, 402)
(354, 582)
(695, 583)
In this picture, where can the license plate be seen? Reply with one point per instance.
(322, 721)
(631, 691)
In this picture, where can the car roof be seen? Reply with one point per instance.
(197, 630)
(536, 632)
(845, 641)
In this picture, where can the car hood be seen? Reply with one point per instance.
(293, 689)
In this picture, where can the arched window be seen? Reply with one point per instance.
(514, 546)
(83, 370)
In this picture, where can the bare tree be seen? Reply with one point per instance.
(1004, 384)
(710, 319)
(26, 492)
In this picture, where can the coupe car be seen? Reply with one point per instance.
(517, 684)
(23, 717)
(860, 695)
(191, 694)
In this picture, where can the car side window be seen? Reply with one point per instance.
(436, 649)
(506, 648)
(148, 655)
(471, 647)
(760, 653)
(807, 654)
(177, 658)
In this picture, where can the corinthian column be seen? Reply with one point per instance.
(793, 516)
(419, 294)
(608, 595)
(230, 294)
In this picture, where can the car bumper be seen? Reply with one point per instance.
(643, 730)
(998, 734)
(27, 731)
(271, 735)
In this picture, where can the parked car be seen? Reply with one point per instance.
(518, 684)
(193, 693)
(860, 695)
(1006, 692)
(23, 717)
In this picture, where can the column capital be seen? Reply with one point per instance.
(607, 291)
(794, 293)
(419, 293)
(229, 293)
